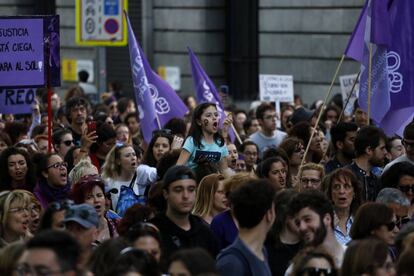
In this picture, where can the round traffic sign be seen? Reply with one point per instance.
(111, 26)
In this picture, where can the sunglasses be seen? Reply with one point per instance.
(406, 188)
(391, 225)
(68, 142)
(61, 205)
(401, 221)
(58, 165)
(315, 271)
(163, 131)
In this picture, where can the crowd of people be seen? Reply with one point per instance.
(309, 197)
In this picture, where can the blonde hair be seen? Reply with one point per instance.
(111, 168)
(235, 181)
(308, 167)
(79, 170)
(22, 197)
(129, 132)
(206, 190)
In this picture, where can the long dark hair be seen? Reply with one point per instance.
(149, 158)
(196, 131)
(5, 178)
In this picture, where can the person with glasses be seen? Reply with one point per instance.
(62, 141)
(17, 170)
(342, 188)
(314, 262)
(295, 151)
(398, 202)
(50, 253)
(375, 220)
(268, 136)
(275, 170)
(77, 109)
(14, 217)
(54, 215)
(250, 152)
(53, 184)
(368, 257)
(400, 176)
(311, 176)
(408, 143)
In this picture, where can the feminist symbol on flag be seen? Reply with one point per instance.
(210, 97)
(160, 103)
(396, 78)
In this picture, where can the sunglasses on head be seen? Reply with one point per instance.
(61, 205)
(406, 188)
(67, 143)
(315, 271)
(163, 131)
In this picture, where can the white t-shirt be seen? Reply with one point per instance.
(146, 175)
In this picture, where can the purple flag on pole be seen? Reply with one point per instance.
(167, 103)
(144, 101)
(391, 30)
(205, 89)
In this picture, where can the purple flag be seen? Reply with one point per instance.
(355, 46)
(167, 103)
(205, 89)
(144, 101)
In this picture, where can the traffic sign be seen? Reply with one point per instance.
(101, 22)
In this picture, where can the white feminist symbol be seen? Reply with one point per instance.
(396, 78)
(161, 104)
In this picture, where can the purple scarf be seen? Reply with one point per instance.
(46, 194)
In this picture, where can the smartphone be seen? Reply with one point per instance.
(91, 126)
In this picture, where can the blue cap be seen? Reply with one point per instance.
(83, 214)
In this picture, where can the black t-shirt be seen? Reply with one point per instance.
(280, 256)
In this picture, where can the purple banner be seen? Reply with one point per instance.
(21, 52)
(17, 101)
(52, 36)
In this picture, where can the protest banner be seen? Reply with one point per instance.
(346, 82)
(17, 101)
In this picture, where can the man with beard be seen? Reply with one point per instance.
(369, 153)
(408, 143)
(76, 113)
(314, 217)
(342, 137)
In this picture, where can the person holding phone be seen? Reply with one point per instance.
(77, 113)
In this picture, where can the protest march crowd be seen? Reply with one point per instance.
(159, 185)
(193, 202)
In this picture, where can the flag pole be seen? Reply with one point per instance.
(158, 120)
(369, 82)
(349, 96)
(320, 113)
(236, 134)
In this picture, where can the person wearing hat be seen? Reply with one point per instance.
(268, 136)
(178, 227)
(82, 222)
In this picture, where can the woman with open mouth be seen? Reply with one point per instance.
(17, 171)
(91, 190)
(14, 217)
(275, 170)
(53, 184)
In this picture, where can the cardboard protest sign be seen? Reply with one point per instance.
(17, 101)
(278, 88)
(347, 81)
(29, 50)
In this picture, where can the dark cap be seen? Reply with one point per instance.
(83, 214)
(177, 172)
(301, 114)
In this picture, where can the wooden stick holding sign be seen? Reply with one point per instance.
(314, 129)
(349, 97)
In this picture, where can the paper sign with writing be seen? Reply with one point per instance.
(278, 88)
(17, 100)
(347, 82)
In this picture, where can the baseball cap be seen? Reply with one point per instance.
(300, 115)
(83, 214)
(177, 172)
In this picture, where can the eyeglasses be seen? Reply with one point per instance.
(391, 225)
(40, 270)
(316, 271)
(406, 188)
(163, 131)
(407, 144)
(58, 165)
(310, 180)
(61, 205)
(20, 210)
(401, 221)
(68, 142)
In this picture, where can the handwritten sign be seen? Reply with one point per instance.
(17, 101)
(25, 47)
(347, 81)
(278, 88)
